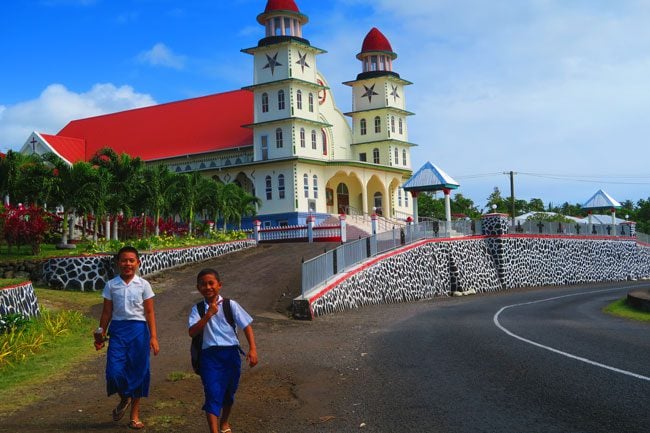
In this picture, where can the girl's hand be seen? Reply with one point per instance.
(153, 343)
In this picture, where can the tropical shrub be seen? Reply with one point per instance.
(25, 226)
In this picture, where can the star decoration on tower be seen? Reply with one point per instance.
(370, 92)
(303, 61)
(272, 62)
(394, 93)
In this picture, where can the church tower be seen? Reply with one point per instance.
(286, 88)
(380, 133)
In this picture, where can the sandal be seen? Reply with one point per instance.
(121, 408)
(228, 430)
(136, 425)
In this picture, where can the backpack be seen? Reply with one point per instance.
(197, 340)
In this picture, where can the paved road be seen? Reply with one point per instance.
(458, 367)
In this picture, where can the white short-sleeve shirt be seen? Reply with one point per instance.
(217, 331)
(128, 299)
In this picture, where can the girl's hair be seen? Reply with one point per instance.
(128, 249)
(208, 271)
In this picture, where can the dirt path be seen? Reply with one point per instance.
(290, 390)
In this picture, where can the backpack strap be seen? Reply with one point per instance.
(200, 307)
(227, 311)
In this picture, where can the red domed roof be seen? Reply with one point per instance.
(376, 41)
(281, 5)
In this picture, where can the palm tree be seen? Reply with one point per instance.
(126, 181)
(192, 194)
(159, 187)
(70, 189)
(19, 175)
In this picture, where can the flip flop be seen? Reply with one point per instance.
(121, 408)
(228, 430)
(136, 425)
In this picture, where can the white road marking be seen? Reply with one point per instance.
(560, 352)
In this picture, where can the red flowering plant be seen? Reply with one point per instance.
(25, 226)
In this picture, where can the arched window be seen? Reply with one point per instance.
(269, 188)
(305, 182)
(302, 137)
(400, 124)
(315, 186)
(280, 99)
(278, 138)
(375, 155)
(313, 139)
(404, 157)
(392, 123)
(299, 99)
(311, 102)
(362, 127)
(281, 186)
(377, 125)
(324, 142)
(265, 102)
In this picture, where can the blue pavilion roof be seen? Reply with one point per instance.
(430, 178)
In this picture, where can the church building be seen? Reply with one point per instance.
(282, 138)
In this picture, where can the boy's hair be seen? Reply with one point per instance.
(127, 249)
(208, 271)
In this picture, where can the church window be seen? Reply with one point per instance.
(278, 138)
(362, 157)
(392, 123)
(362, 127)
(265, 147)
(377, 125)
(399, 197)
(305, 182)
(269, 188)
(404, 157)
(400, 125)
(281, 186)
(406, 198)
(373, 63)
(396, 156)
(287, 27)
(315, 186)
(311, 102)
(313, 139)
(302, 137)
(280, 99)
(265, 102)
(299, 99)
(277, 23)
(324, 142)
(375, 155)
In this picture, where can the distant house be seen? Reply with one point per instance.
(282, 139)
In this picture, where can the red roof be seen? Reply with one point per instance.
(281, 5)
(192, 126)
(376, 41)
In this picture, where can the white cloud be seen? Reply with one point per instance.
(161, 55)
(56, 106)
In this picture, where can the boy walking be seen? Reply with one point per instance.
(220, 362)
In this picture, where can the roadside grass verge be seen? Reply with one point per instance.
(45, 349)
(620, 308)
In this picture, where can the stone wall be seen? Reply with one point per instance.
(92, 272)
(486, 263)
(18, 299)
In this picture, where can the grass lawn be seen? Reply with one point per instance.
(23, 382)
(620, 308)
(47, 251)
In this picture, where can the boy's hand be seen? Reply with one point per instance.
(213, 308)
(251, 358)
(99, 340)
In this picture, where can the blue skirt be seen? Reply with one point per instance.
(220, 371)
(127, 363)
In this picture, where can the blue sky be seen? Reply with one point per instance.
(557, 91)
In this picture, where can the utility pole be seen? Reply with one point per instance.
(512, 195)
